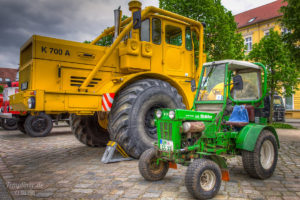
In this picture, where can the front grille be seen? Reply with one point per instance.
(166, 130)
(78, 80)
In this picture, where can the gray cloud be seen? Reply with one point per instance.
(75, 20)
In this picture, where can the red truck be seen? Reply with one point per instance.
(8, 121)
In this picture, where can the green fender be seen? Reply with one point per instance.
(247, 137)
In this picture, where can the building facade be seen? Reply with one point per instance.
(254, 24)
(7, 75)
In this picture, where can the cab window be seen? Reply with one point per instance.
(145, 30)
(173, 35)
(156, 31)
(251, 87)
(188, 39)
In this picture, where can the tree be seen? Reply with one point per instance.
(291, 21)
(1, 89)
(282, 72)
(221, 39)
(107, 40)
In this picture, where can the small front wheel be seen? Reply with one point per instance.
(38, 125)
(203, 179)
(150, 169)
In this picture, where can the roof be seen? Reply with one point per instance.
(235, 64)
(259, 14)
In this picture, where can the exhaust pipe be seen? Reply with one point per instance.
(117, 18)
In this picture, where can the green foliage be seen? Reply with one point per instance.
(282, 72)
(1, 89)
(282, 125)
(291, 21)
(221, 39)
(107, 40)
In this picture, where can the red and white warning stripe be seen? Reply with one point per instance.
(107, 101)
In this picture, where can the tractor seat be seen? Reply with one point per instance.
(236, 124)
(240, 116)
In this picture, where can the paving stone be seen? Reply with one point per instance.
(87, 191)
(59, 167)
(44, 194)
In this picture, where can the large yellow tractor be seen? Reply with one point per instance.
(114, 90)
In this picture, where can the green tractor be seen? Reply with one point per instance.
(228, 119)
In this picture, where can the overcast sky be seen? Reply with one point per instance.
(75, 20)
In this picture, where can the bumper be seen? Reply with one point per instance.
(5, 115)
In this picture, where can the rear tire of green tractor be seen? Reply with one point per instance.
(38, 125)
(261, 162)
(131, 119)
(9, 124)
(148, 166)
(203, 179)
(88, 131)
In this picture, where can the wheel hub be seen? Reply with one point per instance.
(208, 180)
(267, 154)
(149, 121)
(39, 124)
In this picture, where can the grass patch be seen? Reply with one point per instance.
(282, 125)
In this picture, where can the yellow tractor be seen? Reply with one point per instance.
(154, 62)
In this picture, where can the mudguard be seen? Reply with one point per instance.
(247, 137)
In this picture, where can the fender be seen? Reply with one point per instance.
(118, 83)
(247, 137)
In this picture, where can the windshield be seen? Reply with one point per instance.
(212, 86)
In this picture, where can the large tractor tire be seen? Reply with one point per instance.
(88, 131)
(38, 125)
(131, 119)
(261, 162)
(9, 124)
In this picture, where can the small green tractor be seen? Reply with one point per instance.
(228, 118)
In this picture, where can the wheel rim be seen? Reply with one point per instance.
(149, 121)
(207, 180)
(11, 122)
(39, 124)
(156, 168)
(267, 154)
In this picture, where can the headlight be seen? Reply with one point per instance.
(31, 103)
(158, 113)
(172, 114)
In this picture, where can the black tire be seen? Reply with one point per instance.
(9, 124)
(21, 123)
(88, 131)
(130, 121)
(252, 161)
(38, 125)
(203, 171)
(148, 166)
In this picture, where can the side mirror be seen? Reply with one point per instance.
(137, 20)
(193, 85)
(238, 82)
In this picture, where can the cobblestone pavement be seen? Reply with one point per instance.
(59, 167)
